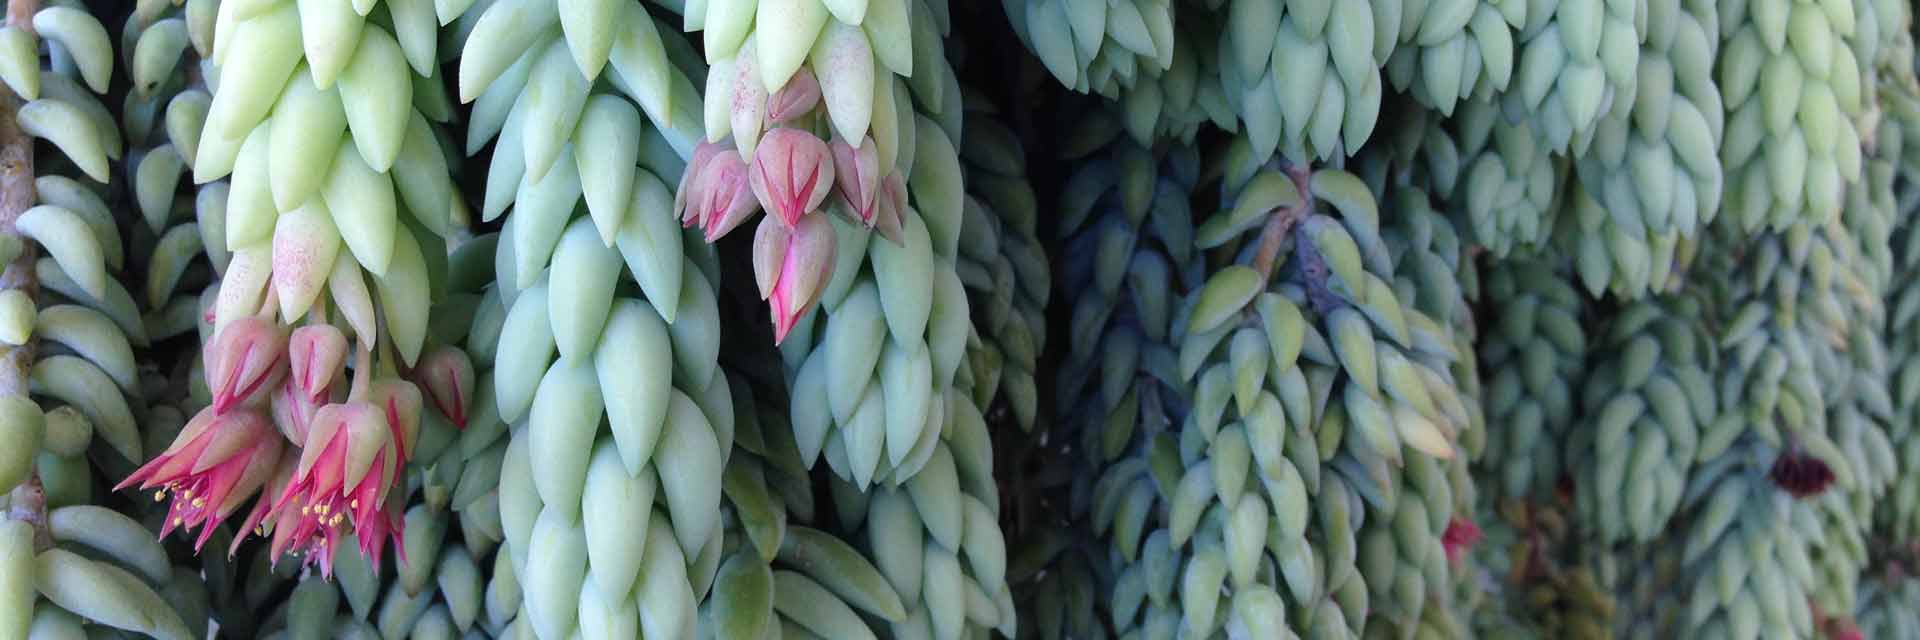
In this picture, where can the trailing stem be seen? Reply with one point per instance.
(28, 501)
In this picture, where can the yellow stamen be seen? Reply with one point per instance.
(306, 510)
(186, 493)
(355, 504)
(160, 496)
(179, 521)
(199, 503)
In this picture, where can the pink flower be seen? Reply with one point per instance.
(1460, 536)
(349, 463)
(792, 266)
(217, 461)
(792, 173)
(244, 361)
(858, 172)
(720, 198)
(796, 99)
(445, 376)
(317, 353)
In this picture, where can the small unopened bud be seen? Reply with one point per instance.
(445, 375)
(1800, 474)
(244, 361)
(800, 95)
(317, 353)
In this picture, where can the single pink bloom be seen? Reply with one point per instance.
(217, 461)
(340, 483)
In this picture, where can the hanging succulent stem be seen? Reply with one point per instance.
(28, 501)
(1281, 221)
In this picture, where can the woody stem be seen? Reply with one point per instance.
(1281, 221)
(28, 501)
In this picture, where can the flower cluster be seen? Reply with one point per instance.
(323, 449)
(776, 161)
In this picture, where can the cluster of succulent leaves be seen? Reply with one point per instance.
(925, 319)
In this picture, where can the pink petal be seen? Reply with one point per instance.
(398, 404)
(808, 264)
(769, 253)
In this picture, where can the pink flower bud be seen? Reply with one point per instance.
(792, 173)
(702, 153)
(727, 195)
(244, 361)
(317, 353)
(800, 95)
(858, 172)
(791, 267)
(445, 376)
(720, 196)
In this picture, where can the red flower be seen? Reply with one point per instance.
(1460, 536)
(1800, 474)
